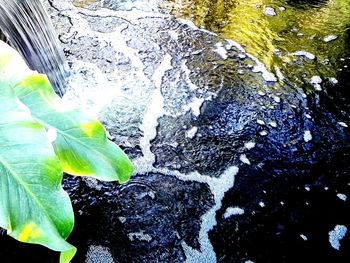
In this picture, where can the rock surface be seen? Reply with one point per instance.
(208, 129)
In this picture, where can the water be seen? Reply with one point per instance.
(28, 29)
(273, 37)
(205, 133)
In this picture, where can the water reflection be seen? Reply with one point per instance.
(306, 3)
(292, 26)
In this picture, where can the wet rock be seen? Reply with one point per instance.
(103, 57)
(147, 219)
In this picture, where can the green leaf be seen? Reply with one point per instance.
(81, 142)
(39, 137)
(67, 256)
(33, 206)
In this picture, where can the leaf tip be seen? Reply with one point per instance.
(67, 256)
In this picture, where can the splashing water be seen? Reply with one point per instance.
(28, 29)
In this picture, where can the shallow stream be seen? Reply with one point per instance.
(276, 31)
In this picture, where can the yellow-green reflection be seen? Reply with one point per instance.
(299, 27)
(83, 3)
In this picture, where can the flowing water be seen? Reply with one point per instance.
(202, 126)
(275, 30)
(28, 28)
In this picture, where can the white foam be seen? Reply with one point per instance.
(99, 254)
(195, 106)
(261, 122)
(308, 116)
(330, 38)
(303, 237)
(141, 236)
(99, 90)
(343, 124)
(151, 194)
(263, 133)
(316, 81)
(273, 124)
(342, 197)
(187, 73)
(279, 73)
(307, 136)
(191, 132)
(80, 91)
(249, 145)
(305, 54)
(336, 235)
(243, 158)
(159, 73)
(219, 186)
(277, 99)
(173, 35)
(196, 103)
(267, 76)
(334, 81)
(220, 50)
(259, 67)
(154, 112)
(232, 211)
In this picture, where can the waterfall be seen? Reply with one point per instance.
(27, 27)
